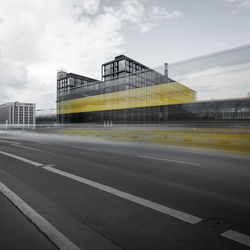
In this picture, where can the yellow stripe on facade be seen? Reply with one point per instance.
(157, 95)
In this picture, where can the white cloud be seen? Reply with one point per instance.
(240, 4)
(160, 13)
(14, 77)
(244, 4)
(134, 12)
(39, 37)
(89, 6)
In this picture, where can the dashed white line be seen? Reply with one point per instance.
(90, 149)
(22, 159)
(238, 237)
(155, 206)
(64, 243)
(5, 141)
(43, 143)
(164, 159)
(50, 231)
(141, 201)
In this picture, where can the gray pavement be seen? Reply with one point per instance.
(17, 232)
(213, 186)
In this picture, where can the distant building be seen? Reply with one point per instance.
(16, 113)
(45, 116)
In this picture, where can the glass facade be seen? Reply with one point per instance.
(70, 83)
(224, 110)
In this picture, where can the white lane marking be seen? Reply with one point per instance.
(155, 206)
(164, 159)
(22, 159)
(5, 141)
(90, 149)
(239, 237)
(43, 143)
(50, 231)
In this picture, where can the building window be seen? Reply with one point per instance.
(122, 65)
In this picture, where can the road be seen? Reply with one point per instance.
(117, 195)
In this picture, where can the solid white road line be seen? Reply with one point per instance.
(239, 237)
(164, 159)
(155, 206)
(50, 231)
(22, 159)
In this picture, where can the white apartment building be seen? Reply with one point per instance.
(16, 113)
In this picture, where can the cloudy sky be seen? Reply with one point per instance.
(38, 37)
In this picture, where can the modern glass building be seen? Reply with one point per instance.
(131, 92)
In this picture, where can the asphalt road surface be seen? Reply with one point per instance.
(113, 195)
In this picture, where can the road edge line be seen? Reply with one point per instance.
(238, 237)
(56, 237)
(22, 159)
